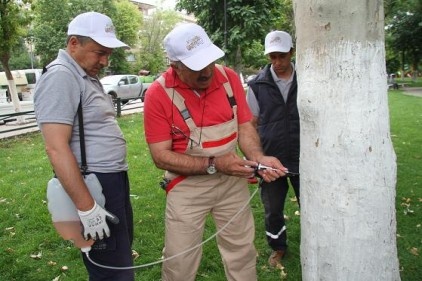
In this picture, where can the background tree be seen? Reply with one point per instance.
(20, 56)
(13, 19)
(53, 16)
(151, 55)
(404, 35)
(127, 20)
(348, 223)
(247, 20)
(286, 21)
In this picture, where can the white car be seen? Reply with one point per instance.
(125, 87)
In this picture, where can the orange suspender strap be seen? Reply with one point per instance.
(228, 89)
(179, 102)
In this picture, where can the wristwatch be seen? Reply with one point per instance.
(211, 166)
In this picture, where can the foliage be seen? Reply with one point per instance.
(20, 57)
(286, 21)
(127, 23)
(53, 16)
(13, 19)
(235, 27)
(254, 56)
(404, 33)
(32, 250)
(155, 28)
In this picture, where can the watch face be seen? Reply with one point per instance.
(211, 170)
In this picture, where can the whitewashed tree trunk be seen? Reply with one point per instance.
(348, 168)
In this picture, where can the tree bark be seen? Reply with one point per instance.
(12, 89)
(348, 164)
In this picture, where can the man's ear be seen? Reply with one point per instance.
(73, 42)
(175, 67)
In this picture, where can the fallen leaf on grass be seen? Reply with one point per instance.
(286, 217)
(135, 254)
(407, 200)
(283, 274)
(297, 213)
(37, 256)
(52, 263)
(414, 251)
(56, 279)
(408, 211)
(3, 200)
(64, 268)
(293, 199)
(405, 205)
(9, 250)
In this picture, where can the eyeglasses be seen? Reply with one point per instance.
(178, 132)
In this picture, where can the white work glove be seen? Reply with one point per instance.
(94, 222)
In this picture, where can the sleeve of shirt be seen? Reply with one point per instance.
(156, 124)
(252, 102)
(57, 96)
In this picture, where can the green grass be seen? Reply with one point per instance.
(26, 228)
(410, 82)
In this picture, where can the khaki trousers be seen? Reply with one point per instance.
(188, 205)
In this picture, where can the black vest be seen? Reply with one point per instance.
(278, 121)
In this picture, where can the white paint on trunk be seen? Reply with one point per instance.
(15, 100)
(348, 169)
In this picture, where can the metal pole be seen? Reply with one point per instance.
(225, 31)
(119, 107)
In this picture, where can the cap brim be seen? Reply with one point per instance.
(277, 49)
(203, 57)
(109, 42)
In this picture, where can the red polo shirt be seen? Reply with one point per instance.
(207, 109)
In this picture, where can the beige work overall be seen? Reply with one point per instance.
(192, 198)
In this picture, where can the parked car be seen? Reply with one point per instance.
(146, 82)
(125, 87)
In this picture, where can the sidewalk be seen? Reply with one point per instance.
(11, 129)
(413, 91)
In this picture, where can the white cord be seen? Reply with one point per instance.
(86, 251)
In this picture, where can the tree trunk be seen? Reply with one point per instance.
(348, 168)
(13, 91)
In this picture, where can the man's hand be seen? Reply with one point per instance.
(94, 222)
(276, 169)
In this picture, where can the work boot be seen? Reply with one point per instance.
(276, 257)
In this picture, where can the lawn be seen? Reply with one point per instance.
(32, 250)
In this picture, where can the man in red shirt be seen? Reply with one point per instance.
(195, 117)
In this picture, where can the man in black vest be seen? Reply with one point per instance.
(272, 98)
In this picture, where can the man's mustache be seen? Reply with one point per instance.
(204, 78)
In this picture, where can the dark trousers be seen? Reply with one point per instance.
(116, 250)
(273, 196)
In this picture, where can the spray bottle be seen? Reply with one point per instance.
(64, 213)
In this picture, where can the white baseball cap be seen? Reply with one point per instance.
(98, 27)
(278, 41)
(190, 44)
